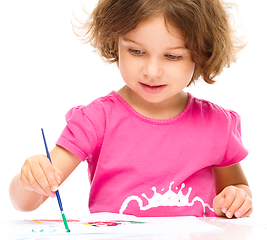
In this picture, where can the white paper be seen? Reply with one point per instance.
(126, 226)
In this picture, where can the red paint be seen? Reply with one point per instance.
(103, 224)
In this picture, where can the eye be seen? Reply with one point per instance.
(136, 52)
(172, 57)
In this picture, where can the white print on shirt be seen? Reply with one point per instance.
(169, 198)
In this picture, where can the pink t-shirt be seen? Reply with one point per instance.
(148, 167)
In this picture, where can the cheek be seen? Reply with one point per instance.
(187, 70)
(191, 70)
(127, 66)
(122, 65)
(124, 68)
(183, 71)
(127, 71)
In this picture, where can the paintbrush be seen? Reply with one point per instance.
(57, 192)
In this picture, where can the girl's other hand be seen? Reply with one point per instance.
(232, 201)
(39, 175)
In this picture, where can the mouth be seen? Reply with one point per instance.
(152, 89)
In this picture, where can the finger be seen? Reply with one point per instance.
(229, 195)
(24, 182)
(237, 203)
(217, 205)
(248, 213)
(50, 175)
(40, 182)
(29, 183)
(58, 174)
(244, 208)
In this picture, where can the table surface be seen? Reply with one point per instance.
(233, 231)
(247, 229)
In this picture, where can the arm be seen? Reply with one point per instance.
(233, 193)
(39, 179)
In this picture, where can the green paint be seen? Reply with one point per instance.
(137, 222)
(65, 222)
(42, 230)
(54, 230)
(37, 231)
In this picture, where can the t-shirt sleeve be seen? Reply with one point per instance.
(235, 150)
(79, 136)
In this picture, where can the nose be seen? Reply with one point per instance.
(153, 68)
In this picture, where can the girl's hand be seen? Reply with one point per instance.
(232, 201)
(39, 175)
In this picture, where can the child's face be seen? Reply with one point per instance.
(154, 62)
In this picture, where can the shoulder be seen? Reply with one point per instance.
(85, 129)
(96, 109)
(212, 111)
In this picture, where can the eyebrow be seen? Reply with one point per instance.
(133, 41)
(130, 40)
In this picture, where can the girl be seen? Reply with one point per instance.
(152, 149)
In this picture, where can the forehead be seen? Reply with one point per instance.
(155, 30)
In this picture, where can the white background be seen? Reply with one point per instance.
(45, 71)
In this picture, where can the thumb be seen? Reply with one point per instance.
(218, 202)
(58, 174)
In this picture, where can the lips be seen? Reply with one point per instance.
(152, 89)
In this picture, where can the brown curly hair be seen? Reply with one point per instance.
(205, 24)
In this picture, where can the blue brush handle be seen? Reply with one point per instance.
(59, 201)
(48, 156)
